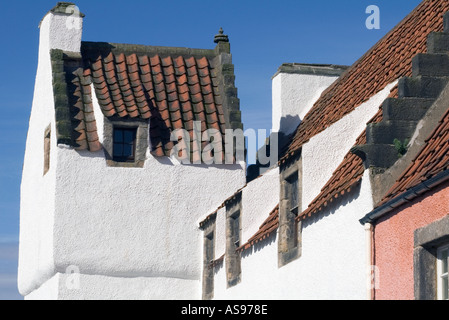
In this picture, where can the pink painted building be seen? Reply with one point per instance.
(410, 224)
(397, 248)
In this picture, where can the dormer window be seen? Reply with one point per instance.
(125, 142)
(124, 149)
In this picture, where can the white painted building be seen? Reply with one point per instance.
(339, 128)
(103, 220)
(332, 263)
(96, 228)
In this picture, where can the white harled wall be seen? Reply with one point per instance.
(326, 150)
(37, 205)
(332, 265)
(333, 260)
(126, 223)
(259, 198)
(293, 95)
(89, 231)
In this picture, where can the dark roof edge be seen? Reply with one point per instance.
(145, 49)
(312, 69)
(61, 100)
(406, 197)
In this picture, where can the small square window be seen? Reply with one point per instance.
(124, 148)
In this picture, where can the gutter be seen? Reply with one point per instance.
(405, 197)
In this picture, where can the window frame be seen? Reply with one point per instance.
(141, 143)
(132, 157)
(290, 229)
(233, 229)
(442, 276)
(209, 238)
(427, 241)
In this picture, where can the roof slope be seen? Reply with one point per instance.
(170, 87)
(388, 60)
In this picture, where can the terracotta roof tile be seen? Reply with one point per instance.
(169, 90)
(387, 61)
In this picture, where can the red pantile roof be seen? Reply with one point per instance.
(388, 60)
(85, 129)
(170, 87)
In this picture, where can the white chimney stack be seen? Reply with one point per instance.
(62, 28)
(296, 87)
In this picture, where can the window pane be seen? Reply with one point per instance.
(237, 230)
(295, 193)
(118, 135)
(118, 150)
(209, 247)
(444, 255)
(124, 144)
(293, 190)
(127, 150)
(129, 136)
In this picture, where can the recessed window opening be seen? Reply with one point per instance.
(235, 229)
(293, 193)
(124, 149)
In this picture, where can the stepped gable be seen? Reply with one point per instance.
(433, 158)
(430, 162)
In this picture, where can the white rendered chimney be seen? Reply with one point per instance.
(296, 87)
(62, 28)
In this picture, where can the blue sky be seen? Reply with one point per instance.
(263, 35)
